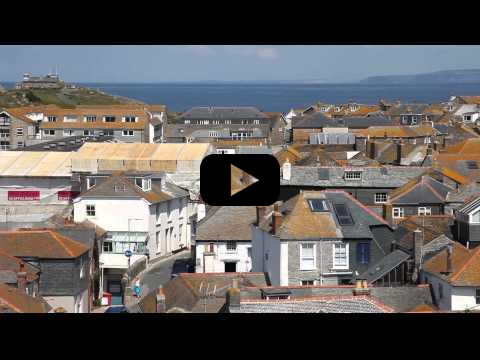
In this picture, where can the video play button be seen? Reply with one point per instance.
(254, 180)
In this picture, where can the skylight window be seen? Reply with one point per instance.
(471, 164)
(343, 214)
(317, 205)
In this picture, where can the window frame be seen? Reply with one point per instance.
(89, 182)
(401, 212)
(302, 266)
(51, 118)
(426, 211)
(19, 131)
(231, 246)
(111, 118)
(361, 260)
(90, 210)
(348, 175)
(307, 281)
(380, 202)
(336, 266)
(128, 133)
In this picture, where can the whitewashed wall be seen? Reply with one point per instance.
(240, 256)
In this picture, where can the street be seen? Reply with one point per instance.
(161, 272)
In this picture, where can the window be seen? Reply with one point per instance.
(317, 205)
(427, 140)
(108, 246)
(477, 296)
(109, 118)
(68, 132)
(353, 175)
(424, 211)
(127, 132)
(90, 210)
(19, 131)
(398, 213)
(381, 198)
(130, 119)
(187, 122)
(213, 134)
(467, 117)
(440, 291)
(108, 132)
(48, 132)
(363, 253)
(340, 256)
(70, 118)
(231, 246)
(20, 144)
(343, 214)
(307, 282)
(4, 145)
(90, 118)
(256, 122)
(471, 164)
(51, 118)
(307, 256)
(404, 119)
(91, 182)
(88, 132)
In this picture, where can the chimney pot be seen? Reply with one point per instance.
(160, 300)
(233, 298)
(361, 287)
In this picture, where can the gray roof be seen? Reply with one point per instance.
(436, 245)
(227, 223)
(408, 109)
(347, 305)
(329, 138)
(71, 143)
(384, 266)
(319, 120)
(381, 177)
(426, 191)
(465, 193)
(441, 128)
(254, 150)
(213, 112)
(400, 299)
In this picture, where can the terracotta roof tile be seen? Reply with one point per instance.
(45, 243)
(16, 301)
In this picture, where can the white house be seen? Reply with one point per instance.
(223, 240)
(454, 278)
(469, 113)
(141, 213)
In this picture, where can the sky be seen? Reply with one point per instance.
(170, 63)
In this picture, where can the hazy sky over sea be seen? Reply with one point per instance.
(230, 63)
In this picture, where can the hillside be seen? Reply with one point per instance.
(65, 98)
(438, 77)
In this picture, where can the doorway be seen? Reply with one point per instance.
(230, 267)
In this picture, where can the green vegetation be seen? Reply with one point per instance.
(65, 98)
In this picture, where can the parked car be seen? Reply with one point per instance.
(117, 309)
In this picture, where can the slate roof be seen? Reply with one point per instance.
(431, 226)
(118, 185)
(382, 177)
(13, 300)
(465, 266)
(300, 222)
(396, 299)
(10, 266)
(319, 120)
(397, 131)
(384, 266)
(467, 146)
(421, 190)
(72, 143)
(254, 150)
(187, 290)
(228, 113)
(227, 223)
(465, 193)
(46, 244)
(339, 304)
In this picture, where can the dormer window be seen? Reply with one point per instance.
(91, 181)
(130, 119)
(353, 175)
(109, 118)
(90, 118)
(51, 118)
(144, 183)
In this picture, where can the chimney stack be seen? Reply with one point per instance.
(233, 298)
(22, 278)
(417, 253)
(399, 152)
(260, 214)
(449, 259)
(361, 287)
(387, 212)
(286, 170)
(160, 300)
(276, 219)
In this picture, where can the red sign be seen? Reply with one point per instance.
(23, 195)
(67, 195)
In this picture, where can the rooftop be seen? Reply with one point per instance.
(218, 112)
(35, 163)
(13, 300)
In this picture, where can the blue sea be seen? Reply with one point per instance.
(279, 97)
